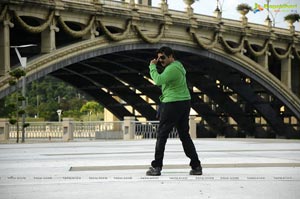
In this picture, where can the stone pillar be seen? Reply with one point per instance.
(286, 72)
(129, 128)
(48, 38)
(143, 2)
(218, 14)
(268, 23)
(264, 60)
(193, 126)
(5, 46)
(92, 33)
(68, 129)
(4, 129)
(189, 9)
(164, 6)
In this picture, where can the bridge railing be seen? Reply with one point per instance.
(127, 129)
(93, 130)
(38, 130)
(56, 130)
(148, 130)
(72, 130)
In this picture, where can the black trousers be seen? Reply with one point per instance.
(175, 114)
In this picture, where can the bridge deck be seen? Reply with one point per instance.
(233, 168)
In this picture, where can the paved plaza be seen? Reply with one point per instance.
(233, 168)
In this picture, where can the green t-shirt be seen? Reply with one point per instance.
(172, 81)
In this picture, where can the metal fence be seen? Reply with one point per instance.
(148, 130)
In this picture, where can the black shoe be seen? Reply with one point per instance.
(153, 171)
(196, 171)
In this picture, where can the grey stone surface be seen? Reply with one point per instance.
(233, 168)
(109, 135)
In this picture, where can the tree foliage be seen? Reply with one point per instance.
(18, 73)
(93, 110)
(91, 107)
(45, 96)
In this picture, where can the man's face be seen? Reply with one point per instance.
(164, 59)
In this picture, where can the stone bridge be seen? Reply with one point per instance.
(244, 78)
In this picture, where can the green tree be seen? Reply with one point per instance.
(48, 94)
(91, 107)
(45, 96)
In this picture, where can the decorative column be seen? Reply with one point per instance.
(286, 71)
(129, 128)
(291, 26)
(291, 19)
(146, 2)
(142, 2)
(164, 6)
(189, 9)
(68, 129)
(243, 9)
(131, 2)
(263, 60)
(268, 23)
(218, 13)
(48, 38)
(167, 16)
(4, 129)
(193, 127)
(244, 19)
(92, 33)
(5, 25)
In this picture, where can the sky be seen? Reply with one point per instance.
(278, 9)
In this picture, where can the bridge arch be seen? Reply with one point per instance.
(217, 80)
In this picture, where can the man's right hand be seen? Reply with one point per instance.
(154, 61)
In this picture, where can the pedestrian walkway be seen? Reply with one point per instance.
(233, 168)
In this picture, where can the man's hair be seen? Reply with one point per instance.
(166, 50)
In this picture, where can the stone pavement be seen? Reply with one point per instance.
(233, 168)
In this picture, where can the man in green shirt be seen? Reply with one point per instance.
(174, 110)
